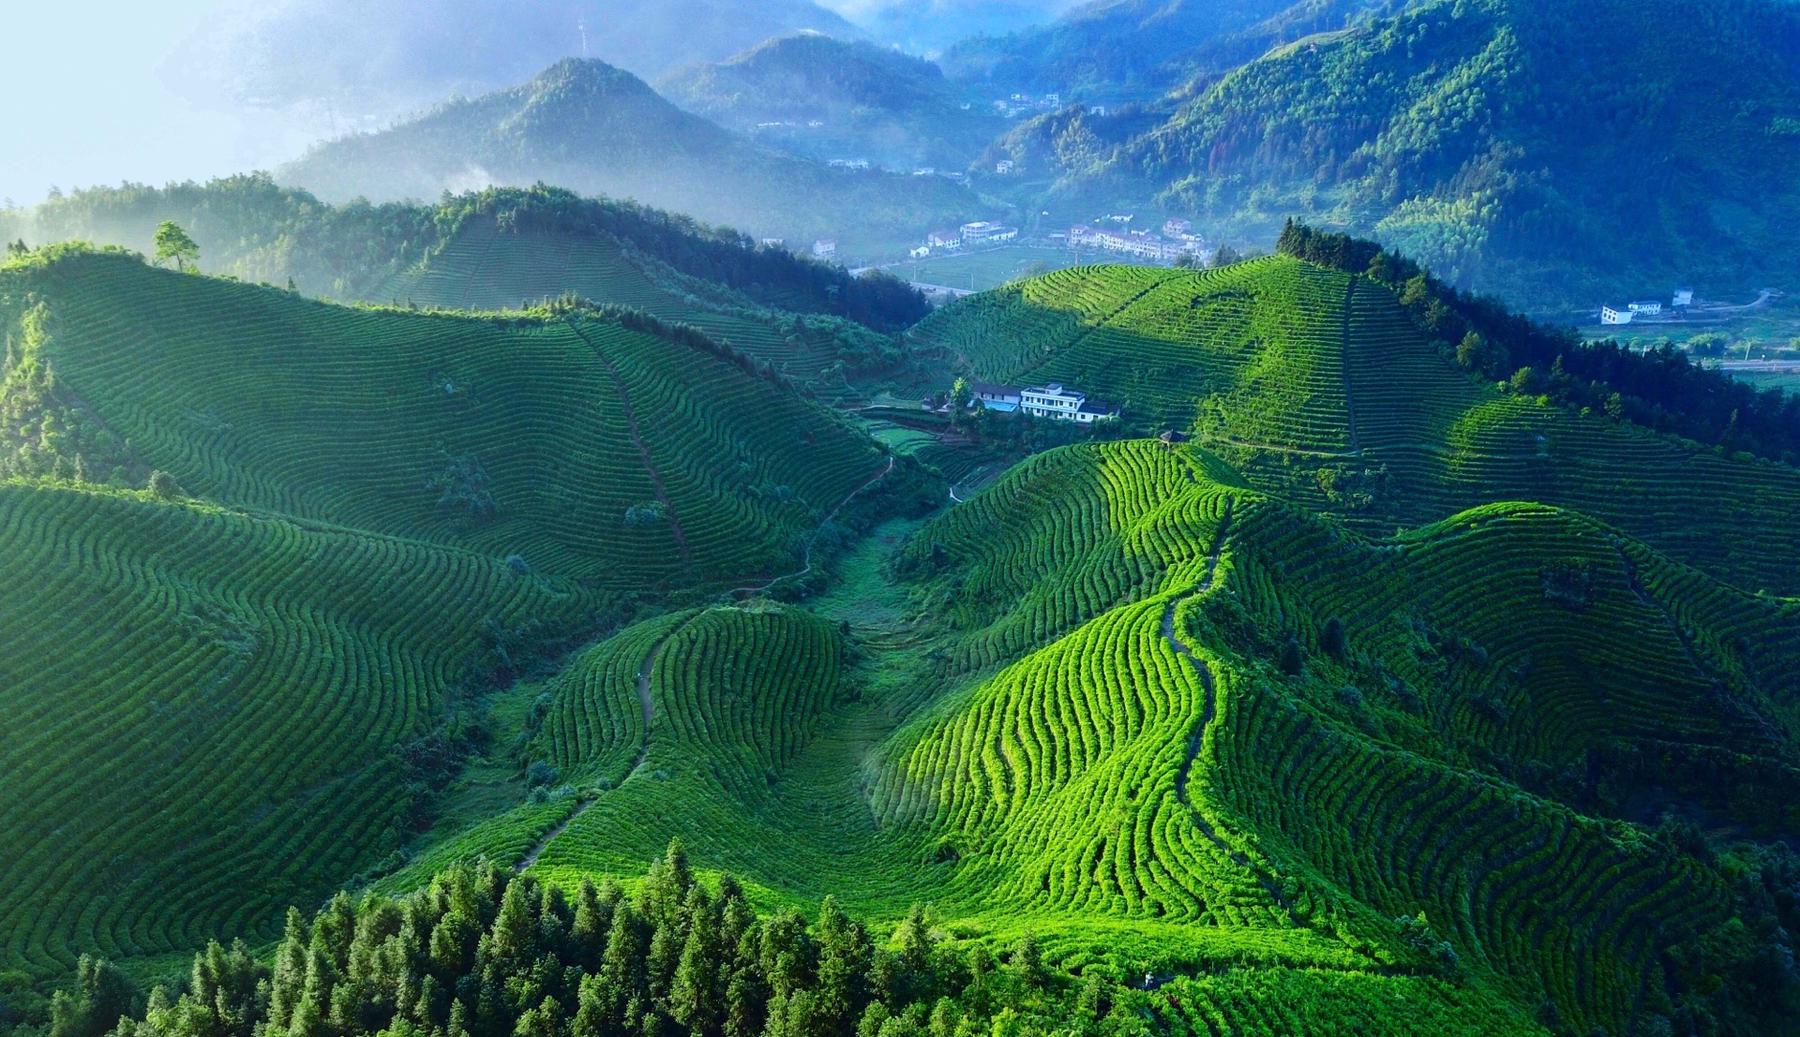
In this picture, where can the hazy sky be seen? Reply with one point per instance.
(95, 99)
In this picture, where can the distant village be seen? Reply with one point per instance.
(1620, 315)
(1110, 234)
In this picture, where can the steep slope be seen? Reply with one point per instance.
(829, 98)
(598, 130)
(389, 57)
(1546, 152)
(1137, 49)
(589, 445)
(1317, 386)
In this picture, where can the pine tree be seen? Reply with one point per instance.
(101, 996)
(288, 979)
(695, 997)
(513, 939)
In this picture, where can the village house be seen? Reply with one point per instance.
(1608, 315)
(1001, 398)
(921, 252)
(1053, 401)
(943, 239)
(824, 248)
(1683, 297)
(1131, 243)
(1063, 404)
(1004, 167)
(1646, 309)
(1178, 229)
(987, 230)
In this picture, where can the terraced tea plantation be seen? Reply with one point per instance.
(1316, 386)
(582, 447)
(1394, 703)
(486, 268)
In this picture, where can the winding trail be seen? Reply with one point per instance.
(648, 705)
(637, 440)
(806, 554)
(1209, 712)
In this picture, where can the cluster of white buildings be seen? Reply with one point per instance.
(1617, 315)
(1026, 104)
(1176, 240)
(981, 232)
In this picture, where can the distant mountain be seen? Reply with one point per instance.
(1109, 49)
(1524, 146)
(378, 58)
(596, 129)
(831, 98)
(928, 26)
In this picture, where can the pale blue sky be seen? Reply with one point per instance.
(91, 97)
(90, 101)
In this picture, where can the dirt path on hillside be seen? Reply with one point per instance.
(637, 440)
(806, 553)
(1208, 712)
(648, 705)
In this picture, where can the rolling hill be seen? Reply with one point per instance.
(828, 98)
(1316, 384)
(358, 524)
(598, 130)
(453, 430)
(502, 249)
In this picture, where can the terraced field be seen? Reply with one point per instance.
(486, 268)
(1317, 386)
(1156, 762)
(1191, 713)
(157, 654)
(584, 448)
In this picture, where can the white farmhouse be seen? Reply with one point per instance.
(1684, 297)
(1646, 309)
(1608, 315)
(824, 248)
(1062, 404)
(1005, 167)
(921, 252)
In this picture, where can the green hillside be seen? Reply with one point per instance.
(1398, 703)
(1118, 751)
(250, 228)
(830, 98)
(1108, 49)
(583, 446)
(1555, 155)
(598, 130)
(485, 268)
(214, 714)
(1318, 386)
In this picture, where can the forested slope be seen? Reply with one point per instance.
(1547, 152)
